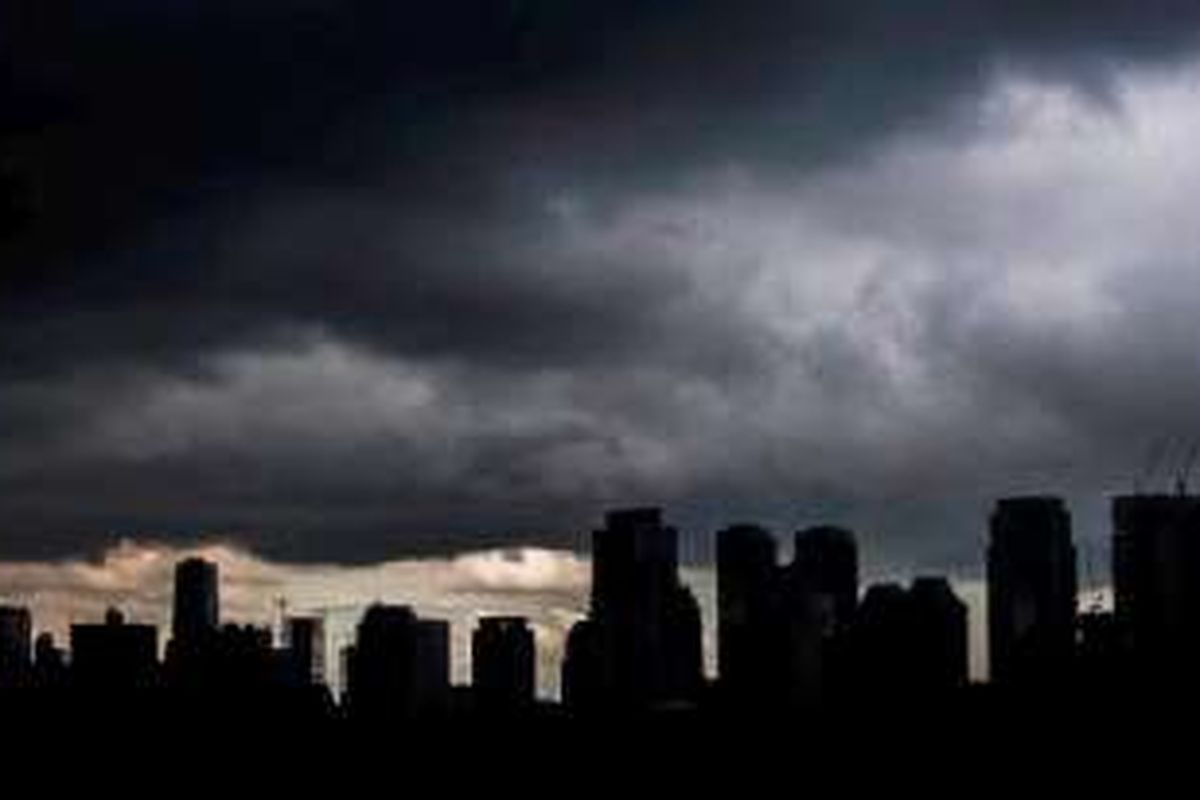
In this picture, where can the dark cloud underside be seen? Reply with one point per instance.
(210, 212)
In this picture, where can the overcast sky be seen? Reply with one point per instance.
(356, 280)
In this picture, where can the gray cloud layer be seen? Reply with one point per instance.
(346, 281)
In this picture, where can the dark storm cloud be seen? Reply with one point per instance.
(445, 188)
(123, 124)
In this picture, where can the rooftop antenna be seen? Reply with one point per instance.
(281, 606)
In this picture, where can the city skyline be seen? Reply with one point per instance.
(549, 586)
(517, 574)
(798, 636)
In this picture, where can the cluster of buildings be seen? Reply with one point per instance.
(202, 654)
(790, 635)
(1148, 642)
(399, 665)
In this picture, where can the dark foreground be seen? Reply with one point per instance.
(982, 742)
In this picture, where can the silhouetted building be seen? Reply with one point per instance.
(1031, 591)
(939, 638)
(346, 658)
(16, 632)
(503, 663)
(49, 663)
(634, 559)
(582, 673)
(909, 645)
(1100, 654)
(399, 665)
(197, 606)
(196, 654)
(304, 651)
(1156, 577)
(644, 626)
(825, 564)
(882, 659)
(114, 656)
(820, 596)
(431, 693)
(240, 660)
(814, 655)
(750, 636)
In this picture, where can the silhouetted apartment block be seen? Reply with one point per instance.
(194, 658)
(304, 651)
(814, 656)
(197, 604)
(49, 663)
(114, 656)
(634, 559)
(16, 633)
(1100, 653)
(503, 663)
(881, 646)
(432, 692)
(825, 564)
(399, 665)
(749, 607)
(820, 597)
(1156, 576)
(910, 643)
(1031, 591)
(582, 677)
(240, 659)
(940, 633)
(643, 631)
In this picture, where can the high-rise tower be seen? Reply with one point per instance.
(1031, 591)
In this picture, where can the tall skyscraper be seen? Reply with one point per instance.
(634, 559)
(16, 635)
(1156, 576)
(825, 563)
(1031, 591)
(197, 605)
(503, 663)
(643, 630)
(821, 597)
(749, 634)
